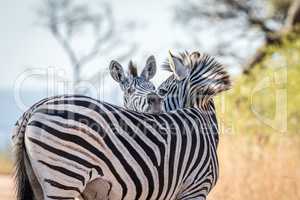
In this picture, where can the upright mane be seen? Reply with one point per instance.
(204, 76)
(206, 66)
(132, 69)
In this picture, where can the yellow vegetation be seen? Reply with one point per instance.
(251, 168)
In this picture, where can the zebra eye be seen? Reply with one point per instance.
(130, 90)
(162, 92)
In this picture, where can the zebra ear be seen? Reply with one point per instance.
(117, 72)
(150, 68)
(178, 68)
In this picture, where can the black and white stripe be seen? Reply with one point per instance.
(71, 140)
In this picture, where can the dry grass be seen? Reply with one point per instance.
(6, 187)
(5, 164)
(251, 168)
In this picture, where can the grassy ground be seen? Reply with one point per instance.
(6, 188)
(5, 163)
(252, 169)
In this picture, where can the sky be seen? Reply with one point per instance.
(25, 45)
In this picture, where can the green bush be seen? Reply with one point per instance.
(266, 101)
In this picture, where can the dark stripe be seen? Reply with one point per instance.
(61, 186)
(193, 136)
(172, 150)
(61, 198)
(195, 188)
(195, 183)
(161, 168)
(74, 139)
(183, 135)
(64, 171)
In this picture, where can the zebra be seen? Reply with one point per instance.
(139, 93)
(69, 141)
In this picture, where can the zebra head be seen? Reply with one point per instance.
(139, 93)
(195, 79)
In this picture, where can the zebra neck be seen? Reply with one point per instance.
(202, 102)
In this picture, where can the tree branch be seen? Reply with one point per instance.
(293, 15)
(65, 18)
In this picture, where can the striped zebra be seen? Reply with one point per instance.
(139, 93)
(69, 141)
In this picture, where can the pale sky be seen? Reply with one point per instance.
(24, 45)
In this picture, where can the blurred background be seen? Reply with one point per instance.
(51, 47)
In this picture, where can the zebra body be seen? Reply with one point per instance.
(73, 140)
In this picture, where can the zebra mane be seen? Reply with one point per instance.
(165, 66)
(182, 56)
(132, 69)
(217, 78)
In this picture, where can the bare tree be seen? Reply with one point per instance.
(67, 19)
(250, 14)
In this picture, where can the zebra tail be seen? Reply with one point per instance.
(22, 183)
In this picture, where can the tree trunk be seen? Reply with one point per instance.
(292, 20)
(293, 15)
